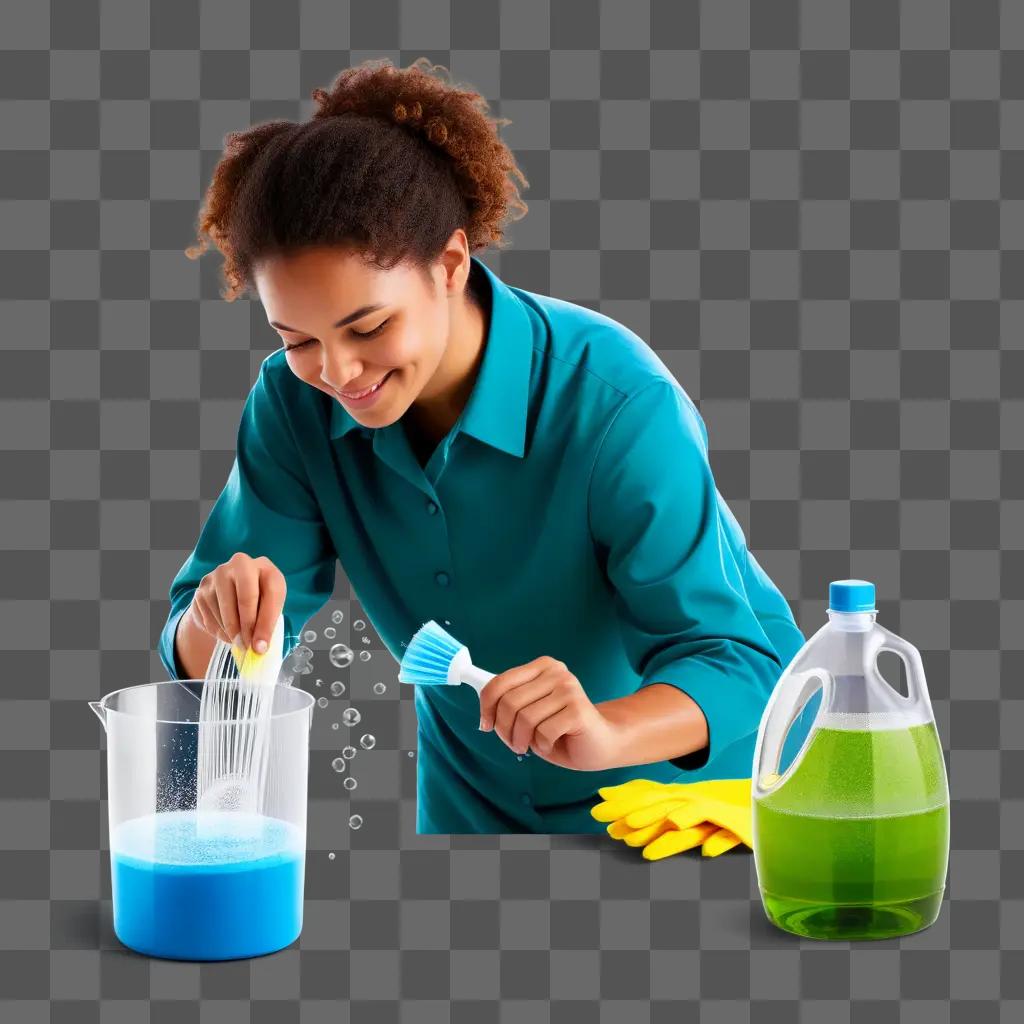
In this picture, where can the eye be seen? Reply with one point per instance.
(359, 334)
(374, 332)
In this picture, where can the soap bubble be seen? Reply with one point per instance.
(366, 639)
(336, 617)
(341, 655)
(348, 752)
(287, 680)
(350, 716)
(364, 655)
(338, 764)
(309, 636)
(322, 701)
(412, 753)
(337, 688)
(330, 856)
(379, 688)
(359, 625)
(329, 633)
(301, 657)
(334, 726)
(319, 682)
(349, 783)
(356, 821)
(367, 742)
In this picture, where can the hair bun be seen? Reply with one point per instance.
(356, 92)
(360, 181)
(451, 117)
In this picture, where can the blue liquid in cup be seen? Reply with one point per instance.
(217, 885)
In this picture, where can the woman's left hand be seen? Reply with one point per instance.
(543, 707)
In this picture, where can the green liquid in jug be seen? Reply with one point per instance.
(855, 843)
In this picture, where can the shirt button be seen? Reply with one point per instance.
(432, 508)
(525, 797)
(442, 579)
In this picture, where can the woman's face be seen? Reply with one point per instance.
(371, 339)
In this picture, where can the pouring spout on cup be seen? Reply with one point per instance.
(101, 712)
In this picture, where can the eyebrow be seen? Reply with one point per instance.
(359, 313)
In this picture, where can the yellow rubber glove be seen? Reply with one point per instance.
(666, 818)
(642, 795)
(731, 819)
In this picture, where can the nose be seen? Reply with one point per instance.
(338, 368)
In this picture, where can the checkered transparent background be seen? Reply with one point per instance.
(813, 212)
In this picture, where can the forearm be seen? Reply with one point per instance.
(193, 647)
(656, 723)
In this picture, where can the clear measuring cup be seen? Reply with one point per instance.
(195, 884)
(851, 838)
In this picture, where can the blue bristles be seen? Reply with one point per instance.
(428, 656)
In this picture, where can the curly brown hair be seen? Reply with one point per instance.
(392, 161)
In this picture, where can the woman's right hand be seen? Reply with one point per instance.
(240, 600)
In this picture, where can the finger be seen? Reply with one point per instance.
(675, 841)
(618, 830)
(687, 815)
(611, 792)
(626, 804)
(195, 609)
(500, 684)
(247, 593)
(210, 618)
(227, 601)
(643, 836)
(564, 722)
(517, 697)
(642, 816)
(272, 593)
(535, 716)
(718, 842)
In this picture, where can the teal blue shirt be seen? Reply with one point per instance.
(570, 511)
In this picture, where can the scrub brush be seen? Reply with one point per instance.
(435, 658)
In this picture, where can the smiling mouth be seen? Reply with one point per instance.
(365, 391)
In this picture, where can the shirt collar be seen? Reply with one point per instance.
(497, 407)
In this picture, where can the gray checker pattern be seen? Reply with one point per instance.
(813, 212)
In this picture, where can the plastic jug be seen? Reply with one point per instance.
(851, 838)
(192, 884)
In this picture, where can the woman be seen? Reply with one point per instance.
(520, 468)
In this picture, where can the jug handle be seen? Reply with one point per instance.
(785, 704)
(917, 688)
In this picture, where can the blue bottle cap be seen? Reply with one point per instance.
(851, 596)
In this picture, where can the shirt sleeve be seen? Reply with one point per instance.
(267, 507)
(663, 534)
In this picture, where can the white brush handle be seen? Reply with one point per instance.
(462, 670)
(476, 677)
